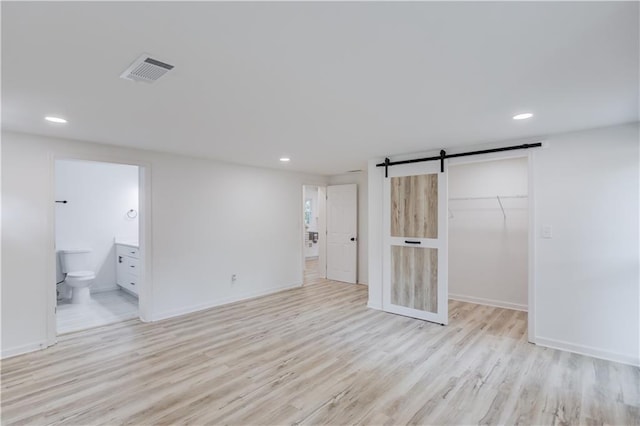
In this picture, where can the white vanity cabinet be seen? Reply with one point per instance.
(127, 265)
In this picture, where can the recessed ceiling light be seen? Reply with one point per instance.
(55, 119)
(522, 116)
(285, 159)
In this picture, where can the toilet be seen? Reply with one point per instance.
(79, 276)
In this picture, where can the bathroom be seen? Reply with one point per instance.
(96, 236)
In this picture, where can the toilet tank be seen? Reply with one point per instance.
(75, 260)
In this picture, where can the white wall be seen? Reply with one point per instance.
(99, 196)
(587, 283)
(311, 248)
(205, 227)
(585, 185)
(360, 179)
(488, 254)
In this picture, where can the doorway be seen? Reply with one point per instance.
(313, 233)
(488, 224)
(97, 250)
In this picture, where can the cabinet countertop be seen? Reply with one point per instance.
(127, 243)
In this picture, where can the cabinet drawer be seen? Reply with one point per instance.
(130, 283)
(131, 265)
(127, 251)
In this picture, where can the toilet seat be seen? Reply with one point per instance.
(81, 275)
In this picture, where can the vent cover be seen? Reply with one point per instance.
(145, 68)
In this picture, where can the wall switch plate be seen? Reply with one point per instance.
(547, 231)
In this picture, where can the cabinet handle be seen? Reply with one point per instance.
(131, 266)
(411, 242)
(132, 252)
(119, 259)
(133, 283)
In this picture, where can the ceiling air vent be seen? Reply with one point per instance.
(145, 68)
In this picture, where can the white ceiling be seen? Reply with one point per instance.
(329, 84)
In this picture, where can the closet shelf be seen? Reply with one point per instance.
(487, 198)
(498, 198)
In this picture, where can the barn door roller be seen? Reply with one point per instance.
(443, 156)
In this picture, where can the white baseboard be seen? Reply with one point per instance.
(104, 289)
(488, 302)
(374, 306)
(588, 351)
(219, 302)
(19, 350)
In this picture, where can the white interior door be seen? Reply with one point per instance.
(342, 237)
(415, 242)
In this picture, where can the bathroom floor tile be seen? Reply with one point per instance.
(105, 308)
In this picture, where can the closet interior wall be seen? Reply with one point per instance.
(488, 232)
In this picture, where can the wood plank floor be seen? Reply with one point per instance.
(315, 355)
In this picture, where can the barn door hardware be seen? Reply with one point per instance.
(443, 156)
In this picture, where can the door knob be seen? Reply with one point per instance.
(353, 238)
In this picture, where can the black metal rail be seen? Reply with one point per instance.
(443, 156)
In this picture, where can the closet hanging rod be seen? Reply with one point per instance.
(501, 207)
(487, 198)
(443, 156)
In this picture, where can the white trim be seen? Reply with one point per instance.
(145, 239)
(588, 351)
(531, 296)
(488, 302)
(322, 230)
(20, 350)
(227, 300)
(375, 306)
(50, 289)
(375, 183)
(105, 289)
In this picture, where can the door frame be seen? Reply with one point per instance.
(322, 230)
(531, 240)
(145, 294)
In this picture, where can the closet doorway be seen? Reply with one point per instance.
(489, 226)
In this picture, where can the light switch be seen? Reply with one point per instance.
(547, 231)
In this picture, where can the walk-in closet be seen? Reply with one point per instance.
(488, 232)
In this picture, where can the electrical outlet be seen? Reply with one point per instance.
(234, 278)
(547, 231)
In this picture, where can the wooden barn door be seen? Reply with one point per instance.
(415, 248)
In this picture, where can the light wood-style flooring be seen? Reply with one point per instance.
(315, 355)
